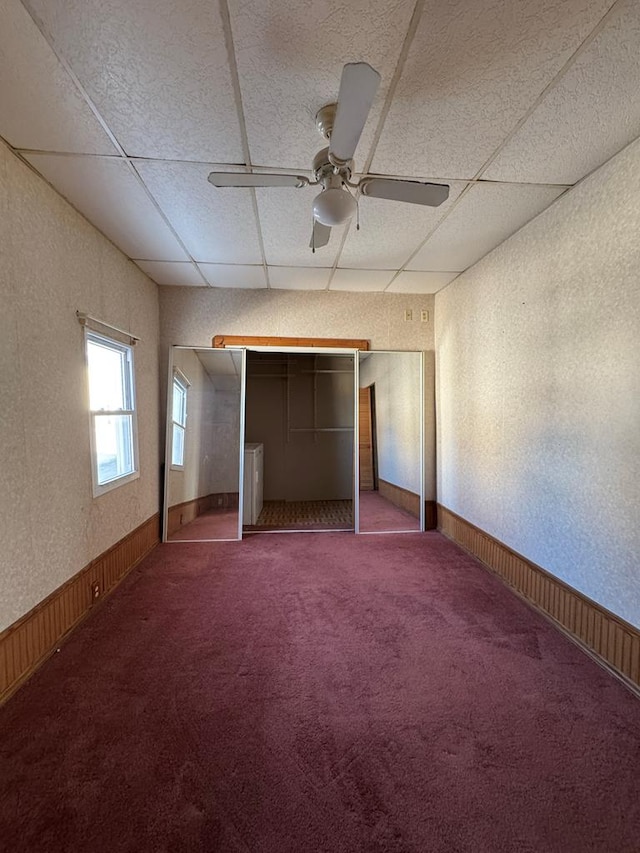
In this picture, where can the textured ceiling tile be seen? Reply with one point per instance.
(228, 275)
(40, 106)
(290, 58)
(286, 220)
(216, 225)
(390, 231)
(299, 278)
(484, 217)
(110, 196)
(157, 71)
(165, 272)
(588, 117)
(473, 70)
(421, 282)
(360, 280)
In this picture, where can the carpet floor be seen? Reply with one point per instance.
(379, 514)
(212, 524)
(323, 693)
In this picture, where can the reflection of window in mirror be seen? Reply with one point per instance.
(179, 420)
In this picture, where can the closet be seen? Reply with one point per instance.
(333, 439)
(299, 406)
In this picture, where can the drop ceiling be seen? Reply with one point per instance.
(125, 107)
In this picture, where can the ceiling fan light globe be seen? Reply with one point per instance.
(334, 206)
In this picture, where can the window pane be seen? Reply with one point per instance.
(107, 387)
(177, 451)
(179, 402)
(114, 446)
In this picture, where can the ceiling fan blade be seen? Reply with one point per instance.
(358, 87)
(320, 235)
(244, 179)
(414, 192)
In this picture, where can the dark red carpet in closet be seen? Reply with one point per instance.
(319, 692)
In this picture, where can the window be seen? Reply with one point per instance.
(179, 422)
(113, 416)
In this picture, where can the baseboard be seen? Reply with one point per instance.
(608, 638)
(402, 498)
(26, 644)
(187, 511)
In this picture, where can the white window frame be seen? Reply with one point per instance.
(183, 383)
(129, 377)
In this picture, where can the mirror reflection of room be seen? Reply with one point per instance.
(390, 435)
(203, 446)
(300, 411)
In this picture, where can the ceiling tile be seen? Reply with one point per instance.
(421, 282)
(165, 272)
(216, 225)
(591, 114)
(229, 275)
(157, 70)
(390, 231)
(485, 216)
(40, 106)
(290, 58)
(473, 70)
(298, 278)
(361, 280)
(286, 221)
(106, 191)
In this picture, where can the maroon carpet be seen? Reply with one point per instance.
(319, 692)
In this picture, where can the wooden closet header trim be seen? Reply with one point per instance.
(222, 341)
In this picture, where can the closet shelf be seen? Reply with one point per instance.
(350, 371)
(321, 429)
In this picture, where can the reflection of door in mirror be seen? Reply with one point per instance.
(390, 436)
(203, 445)
(366, 446)
(300, 410)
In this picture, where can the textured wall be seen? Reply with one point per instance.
(397, 401)
(538, 378)
(192, 316)
(53, 262)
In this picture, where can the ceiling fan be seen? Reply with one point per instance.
(342, 124)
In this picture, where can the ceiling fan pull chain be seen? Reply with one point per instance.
(357, 214)
(313, 235)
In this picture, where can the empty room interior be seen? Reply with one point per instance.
(320, 356)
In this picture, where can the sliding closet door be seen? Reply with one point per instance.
(204, 459)
(390, 442)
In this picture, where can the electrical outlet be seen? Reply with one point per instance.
(95, 590)
(424, 316)
(408, 314)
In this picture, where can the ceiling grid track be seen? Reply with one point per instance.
(114, 141)
(237, 92)
(402, 58)
(477, 178)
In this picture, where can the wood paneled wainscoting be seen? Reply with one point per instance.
(403, 498)
(613, 642)
(32, 639)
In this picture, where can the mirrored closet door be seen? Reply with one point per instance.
(390, 442)
(205, 426)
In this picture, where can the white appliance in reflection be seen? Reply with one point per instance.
(253, 474)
